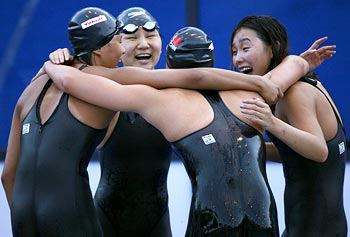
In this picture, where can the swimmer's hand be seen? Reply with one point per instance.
(61, 56)
(315, 57)
(259, 112)
(271, 92)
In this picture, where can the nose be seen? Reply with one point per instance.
(237, 59)
(143, 42)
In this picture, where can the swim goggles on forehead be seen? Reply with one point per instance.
(132, 28)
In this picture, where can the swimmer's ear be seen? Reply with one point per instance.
(97, 52)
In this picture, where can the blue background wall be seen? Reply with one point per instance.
(31, 29)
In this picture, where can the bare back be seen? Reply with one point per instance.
(181, 112)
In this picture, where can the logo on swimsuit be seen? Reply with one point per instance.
(341, 147)
(208, 139)
(25, 128)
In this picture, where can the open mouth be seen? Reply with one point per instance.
(245, 70)
(143, 56)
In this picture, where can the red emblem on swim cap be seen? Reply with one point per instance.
(176, 41)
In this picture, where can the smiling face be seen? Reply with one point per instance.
(250, 54)
(142, 48)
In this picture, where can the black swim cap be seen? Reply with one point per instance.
(190, 47)
(132, 18)
(90, 29)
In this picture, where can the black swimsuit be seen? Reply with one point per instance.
(226, 165)
(132, 197)
(313, 195)
(51, 194)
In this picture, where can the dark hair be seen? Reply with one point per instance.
(270, 31)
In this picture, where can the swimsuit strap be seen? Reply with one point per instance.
(41, 97)
(82, 67)
(313, 82)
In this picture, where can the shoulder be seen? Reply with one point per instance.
(30, 94)
(300, 91)
(299, 99)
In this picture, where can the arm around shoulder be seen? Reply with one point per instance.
(289, 71)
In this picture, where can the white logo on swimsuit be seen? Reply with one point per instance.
(208, 139)
(25, 128)
(93, 21)
(341, 148)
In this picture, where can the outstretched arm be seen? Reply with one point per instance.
(284, 75)
(98, 90)
(258, 84)
(219, 79)
(289, 71)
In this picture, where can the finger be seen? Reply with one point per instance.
(66, 54)
(318, 42)
(59, 54)
(326, 49)
(308, 53)
(251, 115)
(254, 102)
(54, 58)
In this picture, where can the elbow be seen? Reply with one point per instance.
(5, 178)
(197, 78)
(321, 155)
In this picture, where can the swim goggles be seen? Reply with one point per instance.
(132, 28)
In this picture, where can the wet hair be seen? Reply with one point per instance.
(270, 31)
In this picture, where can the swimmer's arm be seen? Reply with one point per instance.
(190, 78)
(12, 155)
(196, 81)
(284, 75)
(289, 71)
(99, 90)
(299, 134)
(303, 133)
(195, 78)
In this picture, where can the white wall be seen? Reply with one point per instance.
(180, 196)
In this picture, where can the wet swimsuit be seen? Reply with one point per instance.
(51, 194)
(132, 197)
(313, 195)
(226, 165)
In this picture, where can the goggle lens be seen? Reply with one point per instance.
(132, 28)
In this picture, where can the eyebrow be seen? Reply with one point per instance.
(242, 40)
